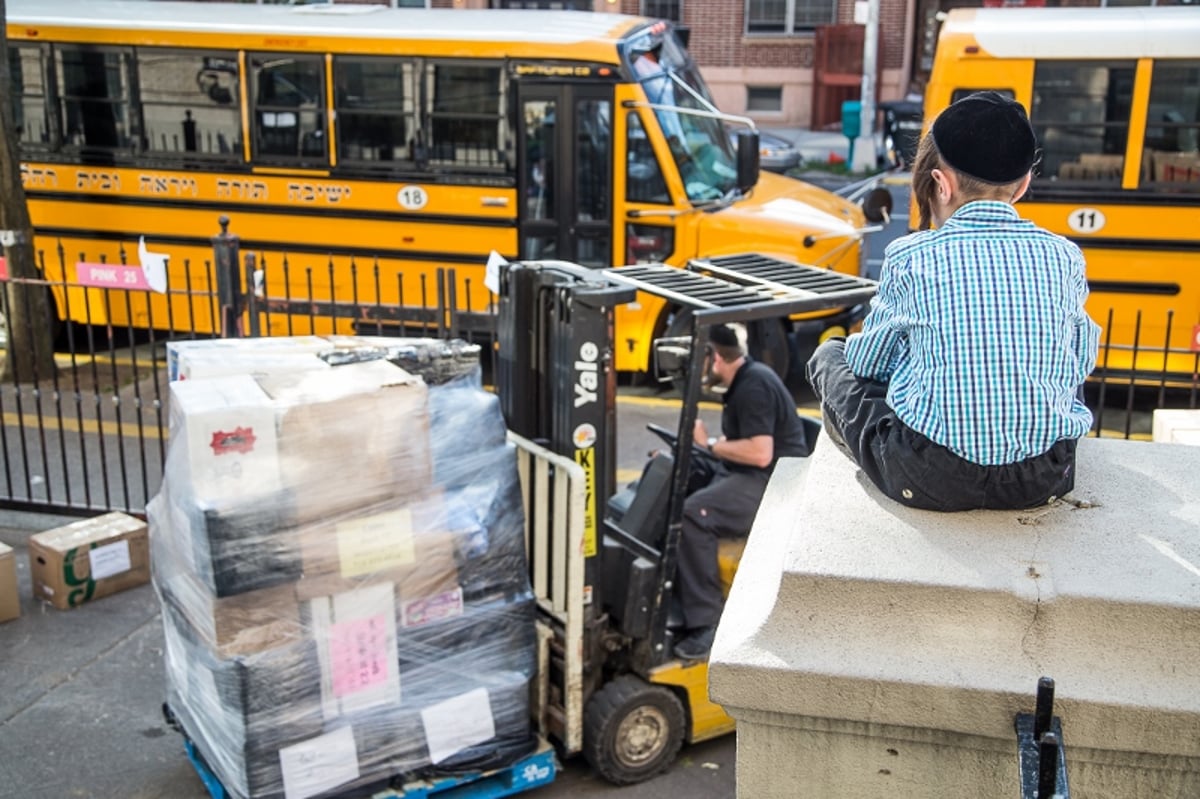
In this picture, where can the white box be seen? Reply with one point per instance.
(1176, 427)
(227, 427)
(178, 351)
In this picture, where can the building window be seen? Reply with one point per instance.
(545, 5)
(788, 16)
(663, 9)
(764, 98)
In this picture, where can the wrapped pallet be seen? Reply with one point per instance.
(339, 556)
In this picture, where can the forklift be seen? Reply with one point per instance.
(602, 560)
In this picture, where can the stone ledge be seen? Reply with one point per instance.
(849, 606)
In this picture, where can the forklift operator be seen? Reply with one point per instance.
(759, 426)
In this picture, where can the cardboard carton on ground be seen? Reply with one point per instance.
(89, 559)
(10, 602)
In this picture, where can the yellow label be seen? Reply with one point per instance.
(376, 543)
(586, 458)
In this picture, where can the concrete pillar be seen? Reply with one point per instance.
(870, 650)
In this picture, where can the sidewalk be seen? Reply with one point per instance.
(81, 694)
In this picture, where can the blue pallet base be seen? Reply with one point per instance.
(531, 771)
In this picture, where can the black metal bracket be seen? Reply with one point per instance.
(1040, 748)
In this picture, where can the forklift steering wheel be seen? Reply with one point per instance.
(672, 441)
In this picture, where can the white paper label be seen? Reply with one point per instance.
(457, 723)
(109, 559)
(491, 275)
(319, 764)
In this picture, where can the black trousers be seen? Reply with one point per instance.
(908, 467)
(725, 508)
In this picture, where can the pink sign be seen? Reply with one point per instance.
(112, 276)
(3, 269)
(358, 654)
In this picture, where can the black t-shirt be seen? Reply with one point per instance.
(759, 404)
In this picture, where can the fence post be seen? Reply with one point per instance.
(252, 295)
(226, 256)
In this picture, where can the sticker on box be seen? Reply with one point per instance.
(457, 723)
(319, 764)
(426, 609)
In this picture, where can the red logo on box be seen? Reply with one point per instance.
(239, 441)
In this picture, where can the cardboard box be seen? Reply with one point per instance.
(351, 435)
(89, 559)
(240, 625)
(205, 353)
(1176, 167)
(405, 543)
(225, 432)
(10, 601)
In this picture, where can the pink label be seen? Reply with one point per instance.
(3, 269)
(358, 654)
(112, 276)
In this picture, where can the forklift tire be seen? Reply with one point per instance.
(632, 730)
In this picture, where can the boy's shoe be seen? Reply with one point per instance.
(697, 644)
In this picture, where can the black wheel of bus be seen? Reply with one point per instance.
(769, 344)
(632, 730)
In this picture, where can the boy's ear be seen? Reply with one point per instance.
(1021, 189)
(945, 182)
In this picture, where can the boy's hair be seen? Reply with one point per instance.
(924, 187)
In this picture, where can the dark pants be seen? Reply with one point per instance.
(915, 471)
(725, 508)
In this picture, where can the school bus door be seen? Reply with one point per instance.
(565, 171)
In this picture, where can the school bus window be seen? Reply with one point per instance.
(1172, 143)
(28, 98)
(466, 119)
(1081, 116)
(591, 159)
(189, 103)
(376, 109)
(643, 176)
(93, 90)
(289, 108)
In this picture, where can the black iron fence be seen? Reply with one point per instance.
(89, 434)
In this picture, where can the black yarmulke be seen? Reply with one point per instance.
(987, 136)
(723, 336)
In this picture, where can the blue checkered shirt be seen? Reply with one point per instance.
(979, 330)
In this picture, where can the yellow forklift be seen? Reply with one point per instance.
(602, 560)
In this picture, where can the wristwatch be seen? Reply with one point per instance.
(712, 441)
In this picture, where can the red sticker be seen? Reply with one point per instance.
(239, 441)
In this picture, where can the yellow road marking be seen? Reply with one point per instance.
(71, 424)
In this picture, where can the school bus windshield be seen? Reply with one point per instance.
(699, 144)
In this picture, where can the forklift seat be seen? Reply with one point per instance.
(645, 518)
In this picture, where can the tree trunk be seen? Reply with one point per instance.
(26, 307)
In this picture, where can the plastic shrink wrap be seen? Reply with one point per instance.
(338, 550)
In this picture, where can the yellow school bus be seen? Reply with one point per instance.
(1114, 97)
(403, 139)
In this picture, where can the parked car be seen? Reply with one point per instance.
(775, 154)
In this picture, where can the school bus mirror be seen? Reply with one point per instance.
(877, 205)
(747, 159)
